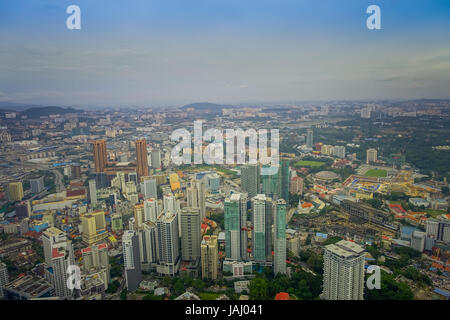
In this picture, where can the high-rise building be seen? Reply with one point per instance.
(62, 258)
(297, 185)
(285, 179)
(210, 257)
(438, 229)
(4, 279)
(250, 179)
(235, 214)
(95, 259)
(58, 253)
(92, 192)
(213, 182)
(15, 191)
(259, 228)
(131, 260)
(309, 138)
(51, 237)
(93, 227)
(141, 158)
(168, 243)
(151, 210)
(156, 159)
(100, 155)
(271, 184)
(192, 196)
(149, 189)
(191, 234)
(148, 245)
(371, 156)
(196, 197)
(343, 271)
(37, 185)
(279, 211)
(418, 240)
(139, 213)
(101, 180)
(201, 187)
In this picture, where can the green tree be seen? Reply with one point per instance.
(123, 294)
(259, 289)
(178, 287)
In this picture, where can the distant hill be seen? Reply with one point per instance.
(205, 106)
(15, 107)
(37, 112)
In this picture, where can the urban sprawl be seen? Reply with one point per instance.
(359, 184)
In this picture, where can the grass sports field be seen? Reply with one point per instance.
(376, 173)
(306, 163)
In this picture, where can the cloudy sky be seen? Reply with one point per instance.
(148, 52)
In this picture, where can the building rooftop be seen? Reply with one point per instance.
(345, 249)
(30, 286)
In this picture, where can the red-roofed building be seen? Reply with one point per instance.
(282, 296)
(397, 209)
(56, 253)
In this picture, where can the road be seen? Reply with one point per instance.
(290, 214)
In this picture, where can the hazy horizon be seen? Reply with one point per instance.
(172, 53)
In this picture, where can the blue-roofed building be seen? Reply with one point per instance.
(406, 232)
(445, 294)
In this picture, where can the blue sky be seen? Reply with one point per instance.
(138, 52)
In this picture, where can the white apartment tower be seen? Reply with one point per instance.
(343, 271)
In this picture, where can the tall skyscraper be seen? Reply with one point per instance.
(101, 180)
(156, 159)
(309, 138)
(371, 156)
(141, 158)
(201, 187)
(250, 179)
(343, 271)
(191, 234)
(168, 244)
(285, 179)
(196, 197)
(100, 155)
(15, 191)
(279, 211)
(235, 212)
(131, 260)
(259, 227)
(92, 191)
(210, 257)
(271, 184)
(192, 196)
